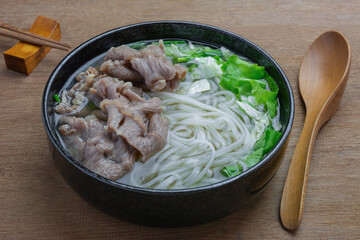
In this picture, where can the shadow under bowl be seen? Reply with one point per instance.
(165, 208)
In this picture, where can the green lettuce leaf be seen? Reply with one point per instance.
(239, 86)
(266, 142)
(231, 171)
(272, 137)
(243, 78)
(254, 158)
(239, 68)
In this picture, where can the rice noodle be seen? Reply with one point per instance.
(205, 134)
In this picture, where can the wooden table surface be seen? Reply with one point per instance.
(35, 201)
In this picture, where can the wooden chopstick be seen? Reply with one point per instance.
(19, 34)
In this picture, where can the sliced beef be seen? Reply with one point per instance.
(96, 161)
(133, 94)
(90, 72)
(101, 115)
(98, 150)
(139, 112)
(115, 117)
(72, 99)
(126, 53)
(76, 131)
(123, 152)
(155, 70)
(152, 142)
(73, 133)
(148, 65)
(130, 115)
(156, 50)
(180, 73)
(122, 52)
(107, 88)
(121, 70)
(125, 126)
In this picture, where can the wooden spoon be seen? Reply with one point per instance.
(323, 76)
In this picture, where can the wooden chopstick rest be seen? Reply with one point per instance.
(24, 57)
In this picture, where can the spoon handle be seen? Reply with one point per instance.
(293, 196)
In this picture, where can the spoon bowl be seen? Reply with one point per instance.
(322, 79)
(323, 69)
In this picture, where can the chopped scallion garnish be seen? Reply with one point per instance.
(56, 98)
(181, 59)
(169, 42)
(138, 45)
(190, 68)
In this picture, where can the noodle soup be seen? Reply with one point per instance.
(220, 111)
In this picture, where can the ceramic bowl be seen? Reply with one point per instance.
(166, 208)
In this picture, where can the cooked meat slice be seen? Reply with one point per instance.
(157, 51)
(96, 161)
(139, 112)
(101, 115)
(158, 125)
(76, 131)
(108, 88)
(180, 71)
(138, 91)
(72, 137)
(113, 110)
(122, 52)
(155, 70)
(149, 63)
(133, 94)
(175, 82)
(126, 53)
(130, 126)
(90, 71)
(111, 88)
(123, 152)
(75, 97)
(106, 167)
(152, 142)
(102, 152)
(121, 70)
(121, 99)
(72, 125)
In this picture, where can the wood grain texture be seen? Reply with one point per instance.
(8, 30)
(323, 76)
(36, 203)
(23, 57)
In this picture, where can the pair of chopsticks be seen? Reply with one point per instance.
(19, 34)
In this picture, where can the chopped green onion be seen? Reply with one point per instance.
(56, 98)
(218, 59)
(138, 45)
(169, 42)
(212, 52)
(181, 59)
(190, 67)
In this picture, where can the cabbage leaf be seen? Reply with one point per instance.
(266, 142)
(245, 78)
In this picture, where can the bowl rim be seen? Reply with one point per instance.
(50, 132)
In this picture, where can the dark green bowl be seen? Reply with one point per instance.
(166, 207)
